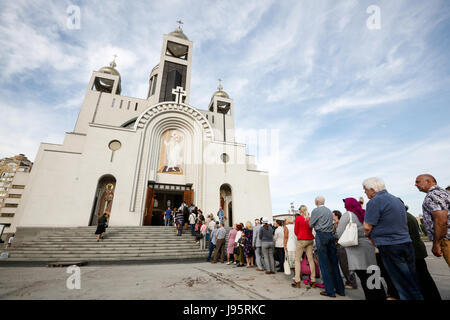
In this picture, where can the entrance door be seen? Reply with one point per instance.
(148, 213)
(189, 197)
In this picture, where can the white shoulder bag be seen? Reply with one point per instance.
(349, 237)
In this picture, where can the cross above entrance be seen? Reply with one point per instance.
(179, 94)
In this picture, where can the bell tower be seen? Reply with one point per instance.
(174, 68)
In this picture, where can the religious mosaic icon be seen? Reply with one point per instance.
(172, 152)
(106, 200)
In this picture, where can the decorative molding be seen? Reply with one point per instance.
(172, 106)
(62, 151)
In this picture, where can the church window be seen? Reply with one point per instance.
(177, 50)
(18, 186)
(13, 195)
(150, 87)
(11, 205)
(121, 102)
(212, 119)
(128, 107)
(115, 145)
(206, 117)
(135, 108)
(225, 157)
(155, 77)
(7, 215)
(174, 75)
(113, 101)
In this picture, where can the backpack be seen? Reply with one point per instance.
(305, 269)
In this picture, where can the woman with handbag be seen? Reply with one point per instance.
(239, 244)
(305, 243)
(360, 252)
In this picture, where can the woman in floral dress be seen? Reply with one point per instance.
(248, 248)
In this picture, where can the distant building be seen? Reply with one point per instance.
(289, 215)
(14, 173)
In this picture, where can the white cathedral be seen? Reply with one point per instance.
(135, 157)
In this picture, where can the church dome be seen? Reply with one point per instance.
(221, 93)
(106, 85)
(179, 34)
(109, 70)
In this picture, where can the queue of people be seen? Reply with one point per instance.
(377, 237)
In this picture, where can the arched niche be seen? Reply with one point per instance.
(226, 199)
(103, 198)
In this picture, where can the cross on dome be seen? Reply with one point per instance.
(179, 23)
(179, 93)
(219, 87)
(113, 63)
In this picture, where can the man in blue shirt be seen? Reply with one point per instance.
(322, 222)
(212, 241)
(167, 217)
(220, 214)
(386, 225)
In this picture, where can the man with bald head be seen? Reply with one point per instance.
(322, 222)
(436, 219)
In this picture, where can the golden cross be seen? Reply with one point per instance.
(180, 23)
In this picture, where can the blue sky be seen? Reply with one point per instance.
(344, 102)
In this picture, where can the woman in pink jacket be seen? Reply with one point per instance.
(230, 247)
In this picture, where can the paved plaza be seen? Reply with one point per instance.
(197, 280)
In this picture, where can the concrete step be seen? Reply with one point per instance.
(102, 250)
(153, 258)
(120, 244)
(103, 245)
(115, 248)
(106, 253)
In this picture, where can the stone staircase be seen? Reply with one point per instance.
(149, 243)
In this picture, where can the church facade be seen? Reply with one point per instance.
(135, 157)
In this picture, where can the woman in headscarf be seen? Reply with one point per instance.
(361, 256)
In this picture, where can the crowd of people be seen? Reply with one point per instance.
(379, 237)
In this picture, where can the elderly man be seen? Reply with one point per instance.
(322, 222)
(385, 224)
(435, 215)
(220, 244)
(257, 246)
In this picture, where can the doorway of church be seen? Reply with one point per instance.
(163, 200)
(161, 196)
(225, 195)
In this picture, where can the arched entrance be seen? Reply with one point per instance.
(226, 203)
(103, 200)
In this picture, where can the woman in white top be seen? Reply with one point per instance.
(290, 242)
(278, 239)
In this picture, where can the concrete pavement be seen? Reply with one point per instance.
(199, 280)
